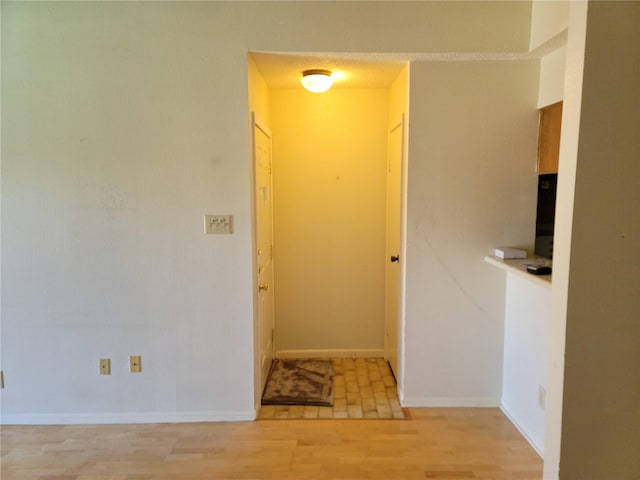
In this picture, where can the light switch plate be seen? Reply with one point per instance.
(217, 224)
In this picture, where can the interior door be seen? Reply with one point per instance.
(395, 145)
(264, 245)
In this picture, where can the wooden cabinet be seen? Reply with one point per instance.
(549, 138)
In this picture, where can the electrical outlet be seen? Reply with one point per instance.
(105, 366)
(542, 397)
(135, 363)
(217, 224)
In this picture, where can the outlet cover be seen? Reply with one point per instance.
(105, 366)
(216, 224)
(542, 397)
(135, 363)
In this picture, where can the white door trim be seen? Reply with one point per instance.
(259, 371)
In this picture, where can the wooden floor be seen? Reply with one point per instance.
(434, 443)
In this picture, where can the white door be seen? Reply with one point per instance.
(264, 246)
(395, 147)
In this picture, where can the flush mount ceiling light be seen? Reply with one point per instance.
(317, 80)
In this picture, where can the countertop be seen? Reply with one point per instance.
(518, 266)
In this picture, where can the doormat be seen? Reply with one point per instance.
(299, 382)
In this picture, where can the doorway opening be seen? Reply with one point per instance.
(335, 171)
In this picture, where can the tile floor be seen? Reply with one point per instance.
(363, 388)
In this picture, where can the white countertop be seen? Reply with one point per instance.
(518, 267)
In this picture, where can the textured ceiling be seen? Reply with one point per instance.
(373, 70)
(285, 70)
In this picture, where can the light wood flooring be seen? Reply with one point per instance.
(433, 443)
(362, 388)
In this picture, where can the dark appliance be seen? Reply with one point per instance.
(546, 214)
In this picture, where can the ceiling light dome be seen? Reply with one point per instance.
(317, 80)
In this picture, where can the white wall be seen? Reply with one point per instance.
(548, 18)
(471, 187)
(526, 341)
(552, 71)
(329, 177)
(123, 124)
(116, 148)
(572, 98)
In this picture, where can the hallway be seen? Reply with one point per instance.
(363, 388)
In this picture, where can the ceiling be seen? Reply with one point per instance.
(349, 71)
(373, 70)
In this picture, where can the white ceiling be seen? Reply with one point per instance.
(373, 70)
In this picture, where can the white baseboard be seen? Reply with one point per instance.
(523, 431)
(450, 402)
(124, 418)
(342, 353)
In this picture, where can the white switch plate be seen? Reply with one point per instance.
(217, 224)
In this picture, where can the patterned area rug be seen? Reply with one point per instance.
(299, 382)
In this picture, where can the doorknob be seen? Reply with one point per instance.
(263, 286)
(395, 258)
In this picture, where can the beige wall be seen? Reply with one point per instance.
(258, 91)
(329, 155)
(600, 414)
(399, 96)
(548, 18)
(552, 71)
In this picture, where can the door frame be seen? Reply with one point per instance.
(259, 377)
(400, 123)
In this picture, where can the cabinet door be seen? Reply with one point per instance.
(549, 138)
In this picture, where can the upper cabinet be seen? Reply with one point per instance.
(549, 138)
